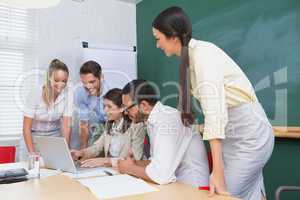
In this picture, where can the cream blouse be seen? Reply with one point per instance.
(218, 83)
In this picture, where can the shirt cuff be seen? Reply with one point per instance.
(211, 136)
(68, 114)
(153, 174)
(84, 117)
(29, 114)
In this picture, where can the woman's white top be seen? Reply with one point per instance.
(47, 119)
(218, 83)
(117, 140)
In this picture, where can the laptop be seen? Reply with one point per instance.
(56, 154)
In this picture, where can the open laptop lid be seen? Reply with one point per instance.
(55, 153)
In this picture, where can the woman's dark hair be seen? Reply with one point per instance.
(115, 95)
(47, 92)
(173, 22)
(91, 67)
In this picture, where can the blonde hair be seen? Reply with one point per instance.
(47, 92)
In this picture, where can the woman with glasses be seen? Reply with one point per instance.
(120, 138)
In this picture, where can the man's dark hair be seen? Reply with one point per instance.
(91, 67)
(140, 90)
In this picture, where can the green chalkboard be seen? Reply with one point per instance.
(262, 36)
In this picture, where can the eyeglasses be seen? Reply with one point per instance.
(127, 108)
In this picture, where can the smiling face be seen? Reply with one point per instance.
(132, 110)
(58, 80)
(112, 111)
(91, 83)
(171, 46)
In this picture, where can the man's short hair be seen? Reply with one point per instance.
(91, 67)
(140, 90)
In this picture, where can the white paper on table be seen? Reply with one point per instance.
(116, 186)
(44, 173)
(85, 173)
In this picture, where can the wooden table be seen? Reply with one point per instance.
(60, 187)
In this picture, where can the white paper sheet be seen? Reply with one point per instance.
(44, 173)
(116, 186)
(85, 173)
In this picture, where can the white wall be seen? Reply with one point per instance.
(63, 28)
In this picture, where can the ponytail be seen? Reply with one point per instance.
(47, 91)
(173, 22)
(184, 82)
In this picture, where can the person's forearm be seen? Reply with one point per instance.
(66, 129)
(28, 141)
(107, 162)
(140, 172)
(27, 124)
(142, 163)
(84, 136)
(67, 134)
(217, 155)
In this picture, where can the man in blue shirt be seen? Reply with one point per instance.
(89, 100)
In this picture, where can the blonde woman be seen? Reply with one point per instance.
(48, 109)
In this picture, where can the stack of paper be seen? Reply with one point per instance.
(116, 186)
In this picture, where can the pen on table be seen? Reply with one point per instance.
(108, 173)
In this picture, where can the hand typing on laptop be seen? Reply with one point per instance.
(76, 154)
(89, 163)
(96, 162)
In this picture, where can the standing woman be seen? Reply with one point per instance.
(239, 133)
(48, 109)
